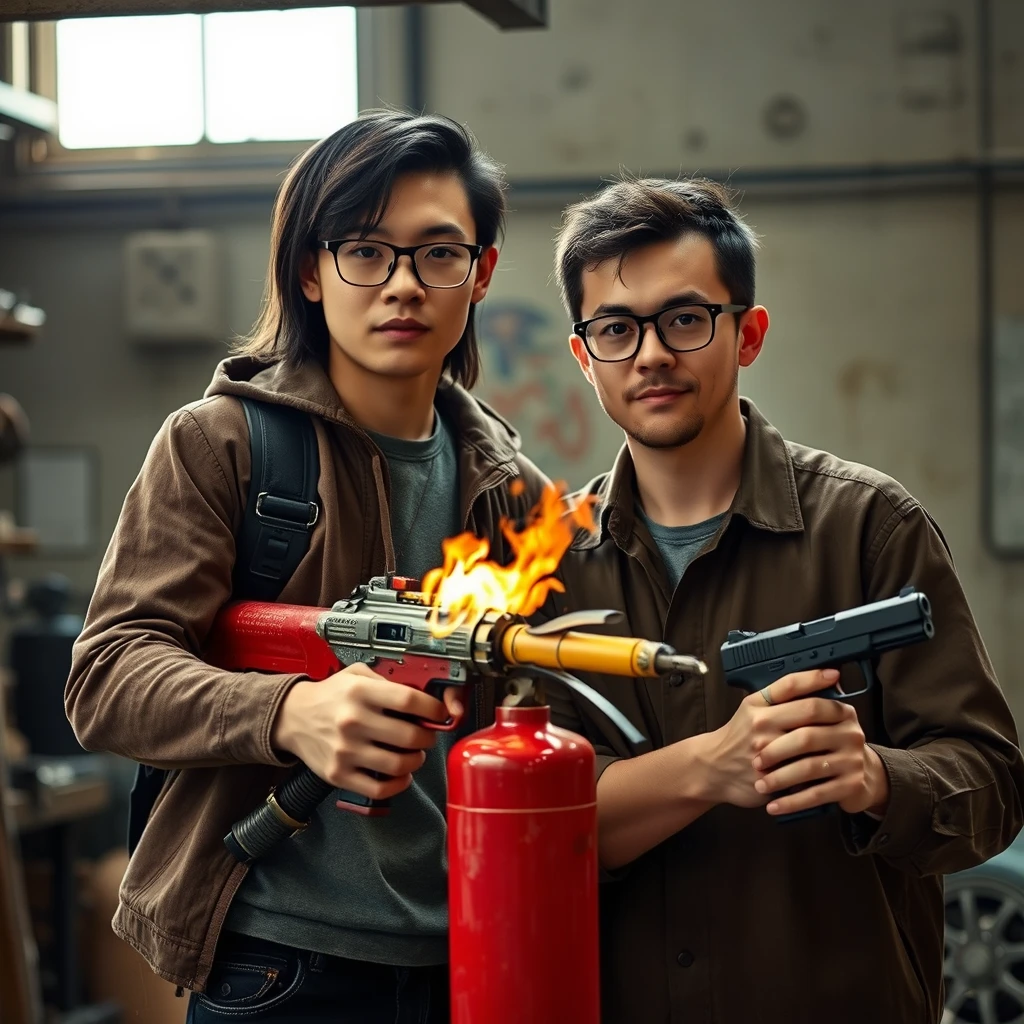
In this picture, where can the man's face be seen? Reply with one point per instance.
(402, 328)
(662, 398)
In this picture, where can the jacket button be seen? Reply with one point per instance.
(675, 679)
(685, 958)
(225, 989)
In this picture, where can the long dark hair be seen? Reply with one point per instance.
(344, 181)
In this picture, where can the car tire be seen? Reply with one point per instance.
(984, 946)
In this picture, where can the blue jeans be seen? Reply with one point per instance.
(256, 980)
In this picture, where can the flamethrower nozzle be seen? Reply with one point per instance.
(685, 663)
(573, 652)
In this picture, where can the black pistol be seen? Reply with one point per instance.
(752, 661)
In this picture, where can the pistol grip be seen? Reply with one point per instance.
(751, 682)
(811, 812)
(359, 804)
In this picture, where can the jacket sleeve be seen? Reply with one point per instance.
(138, 686)
(950, 746)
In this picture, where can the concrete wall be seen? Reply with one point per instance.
(874, 350)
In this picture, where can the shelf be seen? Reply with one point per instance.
(17, 541)
(14, 331)
(58, 804)
(19, 322)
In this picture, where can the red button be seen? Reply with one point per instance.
(404, 583)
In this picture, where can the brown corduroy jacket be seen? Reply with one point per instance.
(740, 919)
(138, 686)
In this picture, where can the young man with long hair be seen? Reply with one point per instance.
(383, 243)
(715, 911)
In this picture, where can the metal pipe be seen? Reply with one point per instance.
(415, 66)
(986, 283)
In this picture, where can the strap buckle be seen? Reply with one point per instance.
(308, 509)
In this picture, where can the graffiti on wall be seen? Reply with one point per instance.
(531, 381)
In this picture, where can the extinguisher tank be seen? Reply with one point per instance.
(522, 858)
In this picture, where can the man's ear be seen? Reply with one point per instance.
(484, 273)
(309, 277)
(582, 356)
(753, 326)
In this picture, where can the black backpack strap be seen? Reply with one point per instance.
(280, 514)
(282, 508)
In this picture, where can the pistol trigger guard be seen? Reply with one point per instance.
(435, 688)
(869, 680)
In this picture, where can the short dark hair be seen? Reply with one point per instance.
(345, 182)
(634, 212)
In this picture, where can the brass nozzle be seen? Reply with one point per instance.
(594, 652)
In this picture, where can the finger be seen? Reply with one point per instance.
(379, 789)
(390, 762)
(406, 700)
(798, 743)
(453, 702)
(385, 788)
(396, 732)
(798, 684)
(829, 792)
(815, 768)
(807, 711)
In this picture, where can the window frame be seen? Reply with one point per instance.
(42, 156)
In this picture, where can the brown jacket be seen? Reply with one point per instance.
(738, 919)
(137, 686)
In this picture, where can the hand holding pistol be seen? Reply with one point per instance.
(753, 661)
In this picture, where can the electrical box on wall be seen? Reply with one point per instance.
(173, 287)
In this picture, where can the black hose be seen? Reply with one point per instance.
(287, 810)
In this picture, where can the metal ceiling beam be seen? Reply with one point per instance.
(503, 13)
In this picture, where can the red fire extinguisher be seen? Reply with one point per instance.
(522, 871)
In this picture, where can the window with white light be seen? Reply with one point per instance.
(183, 79)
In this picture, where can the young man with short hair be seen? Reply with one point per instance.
(715, 912)
(383, 242)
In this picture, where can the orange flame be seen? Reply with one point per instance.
(468, 585)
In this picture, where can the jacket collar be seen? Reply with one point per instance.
(767, 496)
(306, 386)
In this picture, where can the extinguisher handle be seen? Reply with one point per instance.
(638, 743)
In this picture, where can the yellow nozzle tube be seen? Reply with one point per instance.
(582, 652)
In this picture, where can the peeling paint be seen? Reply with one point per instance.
(857, 375)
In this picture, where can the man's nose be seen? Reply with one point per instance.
(653, 353)
(403, 283)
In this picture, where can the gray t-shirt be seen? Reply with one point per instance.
(374, 888)
(680, 545)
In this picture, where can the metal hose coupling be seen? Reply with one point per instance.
(286, 812)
